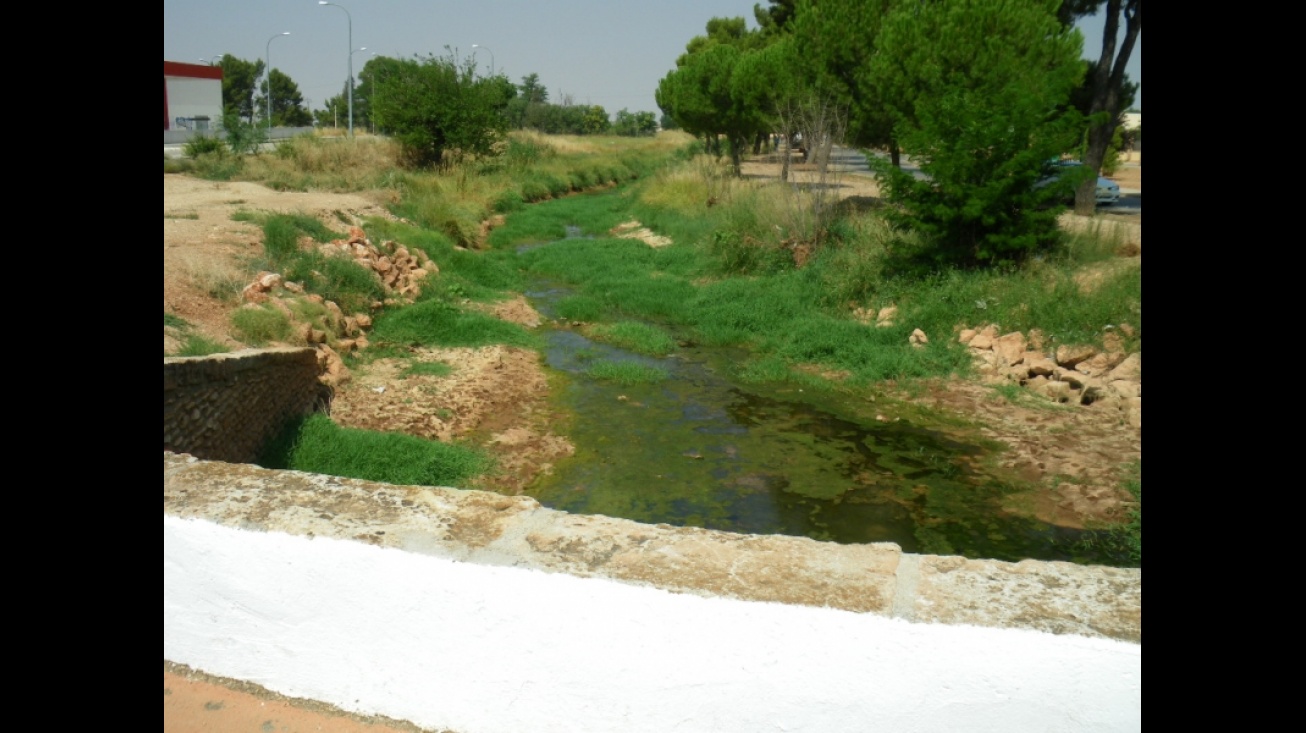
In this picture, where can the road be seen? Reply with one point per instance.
(848, 160)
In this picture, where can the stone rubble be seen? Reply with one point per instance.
(401, 271)
(1071, 374)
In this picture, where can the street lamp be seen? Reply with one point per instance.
(477, 45)
(351, 77)
(350, 19)
(267, 54)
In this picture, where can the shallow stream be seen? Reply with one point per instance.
(700, 450)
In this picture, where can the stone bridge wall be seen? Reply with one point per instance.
(477, 612)
(224, 407)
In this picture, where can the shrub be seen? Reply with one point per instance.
(242, 137)
(441, 111)
(204, 145)
(218, 167)
(177, 165)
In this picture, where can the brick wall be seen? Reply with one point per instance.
(224, 407)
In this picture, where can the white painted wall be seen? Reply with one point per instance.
(488, 649)
(194, 98)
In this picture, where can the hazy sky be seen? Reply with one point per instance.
(611, 53)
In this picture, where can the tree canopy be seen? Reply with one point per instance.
(981, 107)
(287, 102)
(240, 78)
(439, 110)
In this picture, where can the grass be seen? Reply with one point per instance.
(180, 215)
(428, 369)
(192, 344)
(197, 345)
(334, 277)
(638, 337)
(626, 373)
(259, 325)
(318, 445)
(436, 323)
(475, 275)
(731, 280)
(311, 162)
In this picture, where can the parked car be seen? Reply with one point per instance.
(1108, 191)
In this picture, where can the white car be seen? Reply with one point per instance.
(1108, 191)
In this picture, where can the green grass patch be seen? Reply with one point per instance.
(336, 277)
(437, 323)
(280, 239)
(172, 320)
(638, 337)
(259, 325)
(626, 373)
(580, 308)
(317, 445)
(477, 275)
(197, 345)
(428, 369)
(312, 227)
(546, 223)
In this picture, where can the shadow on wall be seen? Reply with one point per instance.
(225, 407)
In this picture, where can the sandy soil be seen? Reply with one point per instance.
(194, 702)
(205, 252)
(497, 396)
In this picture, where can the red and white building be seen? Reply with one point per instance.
(192, 96)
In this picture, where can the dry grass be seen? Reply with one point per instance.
(311, 162)
(581, 144)
(214, 275)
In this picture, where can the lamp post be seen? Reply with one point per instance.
(267, 55)
(477, 45)
(350, 19)
(219, 57)
(351, 74)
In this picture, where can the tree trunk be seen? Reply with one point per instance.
(1106, 94)
(895, 155)
(737, 143)
(788, 153)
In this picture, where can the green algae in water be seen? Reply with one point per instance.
(697, 450)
